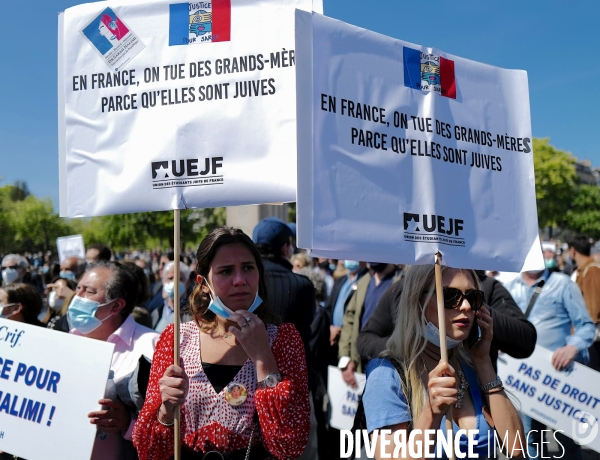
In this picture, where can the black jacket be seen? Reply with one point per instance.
(513, 334)
(291, 297)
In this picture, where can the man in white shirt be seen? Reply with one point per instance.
(105, 297)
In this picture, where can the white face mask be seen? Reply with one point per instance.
(54, 302)
(8, 315)
(432, 334)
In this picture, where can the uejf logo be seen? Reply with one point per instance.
(190, 172)
(431, 228)
(584, 429)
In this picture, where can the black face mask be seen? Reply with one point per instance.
(378, 267)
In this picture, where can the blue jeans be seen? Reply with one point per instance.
(534, 441)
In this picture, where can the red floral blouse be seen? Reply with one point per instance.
(209, 422)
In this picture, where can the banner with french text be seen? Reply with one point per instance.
(343, 399)
(567, 400)
(169, 105)
(49, 382)
(404, 151)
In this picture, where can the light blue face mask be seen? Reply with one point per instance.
(352, 265)
(81, 314)
(170, 289)
(68, 275)
(432, 334)
(218, 307)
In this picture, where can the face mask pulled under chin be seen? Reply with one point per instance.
(81, 315)
(220, 309)
(6, 315)
(432, 334)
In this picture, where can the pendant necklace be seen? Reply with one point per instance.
(464, 384)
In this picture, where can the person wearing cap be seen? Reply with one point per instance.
(292, 296)
(549, 251)
(588, 280)
(558, 309)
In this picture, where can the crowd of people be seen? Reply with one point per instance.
(262, 321)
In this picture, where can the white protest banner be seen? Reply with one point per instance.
(172, 105)
(70, 246)
(404, 151)
(343, 398)
(568, 400)
(49, 382)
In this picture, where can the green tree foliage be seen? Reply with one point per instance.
(36, 225)
(150, 229)
(19, 191)
(27, 223)
(584, 214)
(555, 182)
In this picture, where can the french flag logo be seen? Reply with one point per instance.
(429, 72)
(199, 22)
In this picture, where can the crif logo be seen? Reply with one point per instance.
(190, 172)
(9, 336)
(425, 228)
(199, 22)
(429, 72)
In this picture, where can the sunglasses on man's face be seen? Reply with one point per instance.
(453, 298)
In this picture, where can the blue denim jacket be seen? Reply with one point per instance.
(559, 305)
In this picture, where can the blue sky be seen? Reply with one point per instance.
(555, 41)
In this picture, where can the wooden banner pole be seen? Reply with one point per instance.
(442, 327)
(176, 321)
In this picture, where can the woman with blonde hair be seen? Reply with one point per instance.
(427, 388)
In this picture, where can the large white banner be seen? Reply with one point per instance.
(49, 382)
(343, 399)
(170, 105)
(404, 151)
(568, 400)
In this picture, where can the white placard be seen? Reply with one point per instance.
(343, 399)
(70, 246)
(568, 400)
(169, 105)
(49, 382)
(405, 150)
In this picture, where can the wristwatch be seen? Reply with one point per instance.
(491, 385)
(270, 381)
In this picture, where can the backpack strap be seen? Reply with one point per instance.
(593, 264)
(536, 293)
